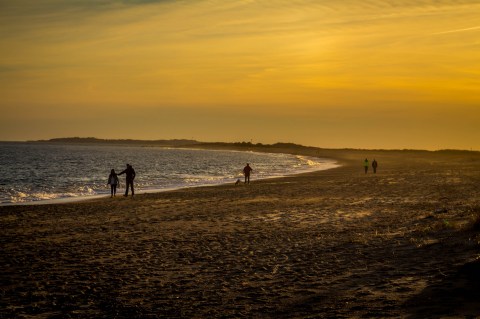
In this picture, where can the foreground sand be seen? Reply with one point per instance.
(329, 244)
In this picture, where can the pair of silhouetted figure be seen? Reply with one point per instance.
(114, 182)
(374, 165)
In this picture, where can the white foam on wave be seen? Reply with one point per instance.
(309, 163)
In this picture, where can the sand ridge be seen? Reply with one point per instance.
(327, 244)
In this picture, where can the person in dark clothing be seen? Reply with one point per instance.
(246, 171)
(130, 176)
(374, 165)
(113, 182)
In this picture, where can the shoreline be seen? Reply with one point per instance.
(67, 200)
(336, 243)
(331, 163)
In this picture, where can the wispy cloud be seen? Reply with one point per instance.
(219, 48)
(458, 30)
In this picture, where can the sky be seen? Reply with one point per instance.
(328, 73)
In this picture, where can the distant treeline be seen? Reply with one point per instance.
(173, 142)
(232, 145)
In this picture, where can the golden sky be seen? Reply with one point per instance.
(328, 73)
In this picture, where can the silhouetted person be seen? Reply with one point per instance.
(365, 165)
(246, 171)
(113, 182)
(130, 176)
(374, 166)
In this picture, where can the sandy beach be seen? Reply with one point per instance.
(338, 243)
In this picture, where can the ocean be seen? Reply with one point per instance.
(41, 173)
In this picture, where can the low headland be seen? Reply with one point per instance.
(339, 243)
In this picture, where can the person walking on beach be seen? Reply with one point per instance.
(246, 171)
(374, 166)
(113, 182)
(130, 176)
(365, 165)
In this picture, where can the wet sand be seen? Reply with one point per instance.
(401, 243)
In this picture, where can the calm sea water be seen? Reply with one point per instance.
(37, 172)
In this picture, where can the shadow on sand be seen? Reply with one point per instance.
(457, 294)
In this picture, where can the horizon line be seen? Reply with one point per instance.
(243, 143)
